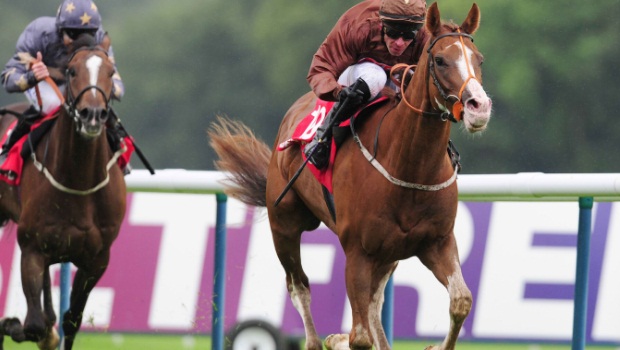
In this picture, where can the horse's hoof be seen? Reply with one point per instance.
(431, 347)
(12, 327)
(337, 342)
(50, 342)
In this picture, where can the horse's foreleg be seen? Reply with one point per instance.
(33, 271)
(365, 287)
(445, 265)
(52, 339)
(288, 250)
(48, 305)
(460, 305)
(83, 283)
(380, 279)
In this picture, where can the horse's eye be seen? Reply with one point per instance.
(439, 61)
(71, 72)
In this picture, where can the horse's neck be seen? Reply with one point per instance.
(424, 139)
(72, 153)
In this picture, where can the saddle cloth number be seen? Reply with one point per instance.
(318, 117)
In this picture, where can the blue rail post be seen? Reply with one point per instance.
(219, 273)
(387, 313)
(580, 314)
(65, 292)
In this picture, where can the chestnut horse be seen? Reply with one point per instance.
(398, 203)
(71, 201)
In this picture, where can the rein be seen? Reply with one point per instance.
(457, 108)
(70, 106)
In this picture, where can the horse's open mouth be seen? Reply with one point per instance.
(476, 127)
(91, 131)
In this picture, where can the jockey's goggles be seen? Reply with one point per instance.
(407, 32)
(75, 33)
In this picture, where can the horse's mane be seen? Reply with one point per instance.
(388, 92)
(451, 26)
(83, 41)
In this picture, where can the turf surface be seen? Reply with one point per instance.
(109, 341)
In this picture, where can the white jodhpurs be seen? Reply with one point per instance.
(372, 74)
(49, 98)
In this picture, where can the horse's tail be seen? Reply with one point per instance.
(244, 157)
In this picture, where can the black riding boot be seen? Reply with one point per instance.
(29, 117)
(114, 135)
(322, 139)
(357, 94)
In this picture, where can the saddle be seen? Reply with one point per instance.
(11, 167)
(305, 130)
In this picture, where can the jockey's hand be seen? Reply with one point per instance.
(39, 68)
(357, 93)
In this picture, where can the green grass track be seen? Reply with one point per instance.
(124, 341)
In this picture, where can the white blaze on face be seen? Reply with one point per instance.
(93, 64)
(473, 84)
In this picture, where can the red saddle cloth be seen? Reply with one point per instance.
(305, 130)
(11, 168)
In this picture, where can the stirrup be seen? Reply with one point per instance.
(317, 153)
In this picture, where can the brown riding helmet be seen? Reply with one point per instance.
(409, 11)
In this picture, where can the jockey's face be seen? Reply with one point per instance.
(397, 46)
(398, 37)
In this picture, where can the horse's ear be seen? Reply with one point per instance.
(433, 20)
(106, 42)
(472, 22)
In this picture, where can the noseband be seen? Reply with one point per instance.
(457, 107)
(72, 100)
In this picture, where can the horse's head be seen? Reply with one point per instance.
(455, 76)
(89, 87)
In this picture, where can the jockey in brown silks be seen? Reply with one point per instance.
(367, 38)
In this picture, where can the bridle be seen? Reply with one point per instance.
(70, 106)
(455, 116)
(457, 107)
(72, 100)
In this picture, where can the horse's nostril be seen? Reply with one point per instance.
(85, 114)
(98, 114)
(473, 104)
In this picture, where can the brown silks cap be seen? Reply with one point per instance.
(412, 11)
